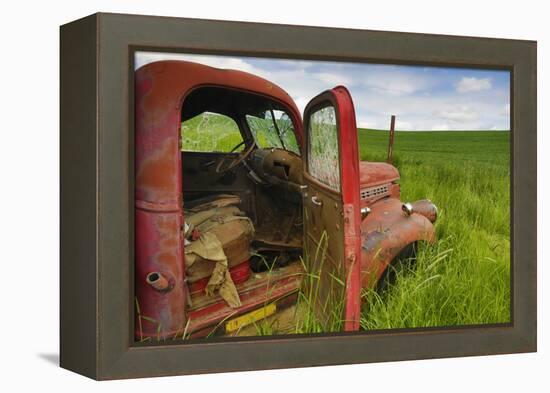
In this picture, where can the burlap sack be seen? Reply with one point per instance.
(225, 236)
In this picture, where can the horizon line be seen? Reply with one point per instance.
(386, 130)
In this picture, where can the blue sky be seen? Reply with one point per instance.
(422, 98)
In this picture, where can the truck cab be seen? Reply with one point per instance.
(237, 198)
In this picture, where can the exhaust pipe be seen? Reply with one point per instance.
(158, 281)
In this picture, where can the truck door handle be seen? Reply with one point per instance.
(316, 201)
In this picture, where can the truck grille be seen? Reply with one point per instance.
(375, 192)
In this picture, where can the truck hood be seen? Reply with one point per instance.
(376, 173)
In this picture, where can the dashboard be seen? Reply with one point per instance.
(278, 167)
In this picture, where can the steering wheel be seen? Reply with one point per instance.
(223, 166)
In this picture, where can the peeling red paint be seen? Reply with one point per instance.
(376, 173)
(159, 92)
(350, 197)
(384, 233)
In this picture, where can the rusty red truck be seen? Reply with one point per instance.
(219, 234)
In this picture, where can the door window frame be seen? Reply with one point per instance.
(318, 103)
(348, 194)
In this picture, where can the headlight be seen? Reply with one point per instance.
(407, 208)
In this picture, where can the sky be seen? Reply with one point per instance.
(422, 98)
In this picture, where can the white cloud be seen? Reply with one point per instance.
(469, 84)
(333, 79)
(421, 101)
(440, 127)
(394, 84)
(458, 113)
(438, 112)
(301, 103)
(143, 58)
(403, 125)
(302, 64)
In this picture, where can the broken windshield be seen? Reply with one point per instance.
(273, 128)
(323, 156)
(210, 132)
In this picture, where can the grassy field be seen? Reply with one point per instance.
(464, 279)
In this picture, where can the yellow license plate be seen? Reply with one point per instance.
(251, 317)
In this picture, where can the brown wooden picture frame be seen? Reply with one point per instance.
(97, 195)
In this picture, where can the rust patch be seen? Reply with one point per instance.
(375, 173)
(157, 175)
(373, 240)
(385, 232)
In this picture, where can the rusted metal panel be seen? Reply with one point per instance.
(158, 215)
(349, 161)
(364, 249)
(376, 173)
(207, 312)
(384, 233)
(160, 89)
(161, 311)
(332, 210)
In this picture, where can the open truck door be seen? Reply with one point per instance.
(332, 215)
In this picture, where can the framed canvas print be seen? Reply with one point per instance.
(241, 196)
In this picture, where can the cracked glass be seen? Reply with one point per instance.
(273, 129)
(323, 162)
(210, 132)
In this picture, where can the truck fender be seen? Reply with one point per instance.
(385, 231)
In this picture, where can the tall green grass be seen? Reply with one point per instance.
(210, 132)
(313, 313)
(464, 278)
(461, 279)
(318, 313)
